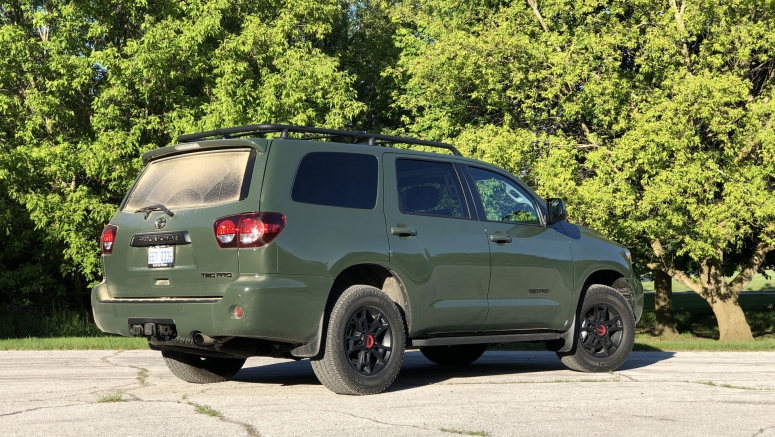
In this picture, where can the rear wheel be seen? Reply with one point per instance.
(605, 332)
(201, 370)
(364, 344)
(459, 355)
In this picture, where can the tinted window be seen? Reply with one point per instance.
(503, 200)
(427, 187)
(192, 179)
(348, 180)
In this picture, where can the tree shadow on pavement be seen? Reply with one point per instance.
(418, 371)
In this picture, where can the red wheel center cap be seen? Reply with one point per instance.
(601, 330)
(369, 341)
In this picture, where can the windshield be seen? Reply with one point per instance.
(194, 179)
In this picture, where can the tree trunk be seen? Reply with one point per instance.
(732, 325)
(663, 304)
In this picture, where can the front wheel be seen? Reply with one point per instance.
(605, 332)
(364, 344)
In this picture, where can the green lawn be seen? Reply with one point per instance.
(758, 283)
(73, 343)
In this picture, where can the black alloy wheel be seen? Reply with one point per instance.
(367, 341)
(601, 330)
(364, 343)
(605, 332)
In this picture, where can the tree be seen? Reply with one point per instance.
(653, 118)
(87, 86)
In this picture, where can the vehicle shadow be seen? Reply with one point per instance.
(417, 371)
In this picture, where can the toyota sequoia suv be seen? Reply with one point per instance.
(319, 244)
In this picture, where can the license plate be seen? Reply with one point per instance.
(161, 256)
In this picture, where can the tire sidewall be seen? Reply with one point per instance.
(611, 297)
(340, 316)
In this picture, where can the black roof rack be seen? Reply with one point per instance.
(284, 129)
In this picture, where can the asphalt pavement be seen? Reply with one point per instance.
(503, 394)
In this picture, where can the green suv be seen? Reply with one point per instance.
(230, 245)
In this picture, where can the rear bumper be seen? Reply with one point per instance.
(276, 307)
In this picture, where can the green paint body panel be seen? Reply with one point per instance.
(455, 280)
(445, 267)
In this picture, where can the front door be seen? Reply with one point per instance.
(437, 245)
(531, 285)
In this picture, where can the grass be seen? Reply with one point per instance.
(693, 315)
(206, 410)
(111, 397)
(457, 431)
(738, 387)
(758, 283)
(687, 342)
(142, 375)
(73, 343)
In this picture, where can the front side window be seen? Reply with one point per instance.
(429, 188)
(191, 180)
(503, 200)
(347, 180)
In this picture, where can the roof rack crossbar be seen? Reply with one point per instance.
(285, 129)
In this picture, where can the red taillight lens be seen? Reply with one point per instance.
(253, 229)
(225, 231)
(108, 239)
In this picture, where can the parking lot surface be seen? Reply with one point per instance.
(502, 394)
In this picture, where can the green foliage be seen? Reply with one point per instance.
(87, 87)
(653, 118)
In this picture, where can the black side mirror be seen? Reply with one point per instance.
(556, 211)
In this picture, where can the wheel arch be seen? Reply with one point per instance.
(604, 276)
(611, 278)
(376, 275)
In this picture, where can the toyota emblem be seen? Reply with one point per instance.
(160, 223)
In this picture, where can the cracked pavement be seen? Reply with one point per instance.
(502, 394)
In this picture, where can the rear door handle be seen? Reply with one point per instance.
(500, 238)
(403, 231)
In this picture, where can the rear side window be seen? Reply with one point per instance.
(347, 180)
(429, 188)
(193, 179)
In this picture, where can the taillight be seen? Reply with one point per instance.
(107, 239)
(252, 229)
(225, 231)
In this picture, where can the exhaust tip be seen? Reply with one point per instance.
(203, 340)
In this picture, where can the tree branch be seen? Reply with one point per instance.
(681, 26)
(534, 5)
(683, 278)
(744, 277)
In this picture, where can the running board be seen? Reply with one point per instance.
(480, 339)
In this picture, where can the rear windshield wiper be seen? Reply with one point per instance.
(149, 209)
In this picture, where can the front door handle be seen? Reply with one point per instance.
(500, 238)
(403, 231)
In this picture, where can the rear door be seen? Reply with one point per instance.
(175, 254)
(437, 246)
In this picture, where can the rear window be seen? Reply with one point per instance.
(194, 179)
(347, 180)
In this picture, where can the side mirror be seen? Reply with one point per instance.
(556, 211)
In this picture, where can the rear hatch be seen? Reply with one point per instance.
(165, 242)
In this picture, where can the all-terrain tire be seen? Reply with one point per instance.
(458, 355)
(605, 332)
(201, 370)
(363, 325)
